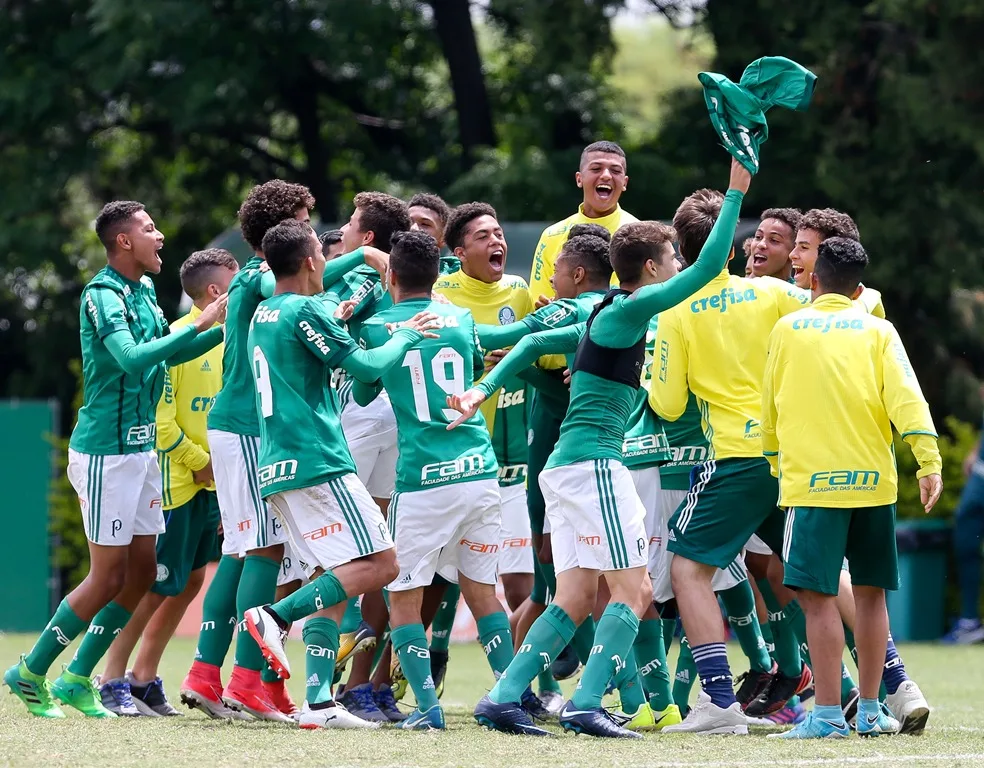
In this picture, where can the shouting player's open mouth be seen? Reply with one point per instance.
(604, 192)
(497, 260)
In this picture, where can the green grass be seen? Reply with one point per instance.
(952, 679)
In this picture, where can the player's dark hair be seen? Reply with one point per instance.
(461, 217)
(636, 243)
(415, 260)
(329, 238)
(431, 203)
(590, 229)
(382, 215)
(694, 220)
(829, 223)
(198, 270)
(115, 218)
(788, 216)
(267, 205)
(609, 147)
(840, 264)
(286, 245)
(590, 252)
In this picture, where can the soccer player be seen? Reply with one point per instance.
(815, 226)
(773, 241)
(602, 176)
(331, 244)
(596, 518)
(746, 247)
(857, 366)
(191, 535)
(111, 460)
(306, 472)
(429, 213)
(454, 474)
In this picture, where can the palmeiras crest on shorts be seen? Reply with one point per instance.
(507, 315)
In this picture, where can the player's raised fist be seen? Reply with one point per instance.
(466, 404)
(740, 177)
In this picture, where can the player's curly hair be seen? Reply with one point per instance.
(286, 245)
(431, 203)
(828, 222)
(694, 220)
(197, 270)
(383, 215)
(636, 243)
(788, 216)
(746, 246)
(461, 217)
(114, 218)
(841, 262)
(589, 229)
(267, 205)
(414, 260)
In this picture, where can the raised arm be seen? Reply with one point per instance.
(202, 344)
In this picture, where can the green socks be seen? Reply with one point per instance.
(410, 644)
(257, 586)
(739, 602)
(650, 655)
(352, 617)
(583, 640)
(219, 612)
(496, 639)
(787, 653)
(549, 579)
(267, 675)
(324, 592)
(616, 632)
(548, 636)
(797, 620)
(546, 684)
(444, 619)
(686, 675)
(852, 645)
(631, 692)
(102, 631)
(770, 642)
(669, 629)
(320, 652)
(63, 628)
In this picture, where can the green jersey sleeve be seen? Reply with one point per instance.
(556, 342)
(105, 309)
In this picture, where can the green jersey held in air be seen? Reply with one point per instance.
(430, 455)
(688, 448)
(610, 351)
(293, 344)
(124, 348)
(645, 442)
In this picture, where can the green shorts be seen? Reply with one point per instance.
(544, 433)
(189, 542)
(728, 501)
(817, 539)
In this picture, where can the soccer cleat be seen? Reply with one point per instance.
(265, 630)
(399, 680)
(386, 704)
(881, 724)
(202, 689)
(594, 722)
(533, 706)
(116, 697)
(781, 689)
(77, 691)
(552, 702)
(815, 728)
(791, 714)
(278, 695)
(431, 720)
(706, 719)
(150, 699)
(753, 685)
(566, 665)
(33, 690)
(245, 693)
(361, 701)
(909, 707)
(964, 632)
(850, 707)
(439, 668)
(334, 716)
(508, 717)
(648, 719)
(352, 643)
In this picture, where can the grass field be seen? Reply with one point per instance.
(951, 678)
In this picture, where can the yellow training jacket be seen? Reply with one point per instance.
(182, 446)
(836, 380)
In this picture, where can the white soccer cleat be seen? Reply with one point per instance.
(263, 628)
(553, 702)
(331, 717)
(708, 719)
(909, 707)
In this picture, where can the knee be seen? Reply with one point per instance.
(684, 573)
(387, 567)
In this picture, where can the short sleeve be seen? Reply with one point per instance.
(106, 311)
(322, 335)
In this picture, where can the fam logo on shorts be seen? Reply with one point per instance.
(162, 572)
(507, 315)
(482, 549)
(320, 533)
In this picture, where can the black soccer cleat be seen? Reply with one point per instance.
(508, 717)
(594, 722)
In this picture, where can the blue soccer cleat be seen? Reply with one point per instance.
(815, 728)
(594, 722)
(431, 720)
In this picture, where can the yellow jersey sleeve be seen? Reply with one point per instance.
(669, 390)
(770, 443)
(171, 439)
(544, 258)
(870, 301)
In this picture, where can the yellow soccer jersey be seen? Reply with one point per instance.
(498, 303)
(714, 344)
(182, 445)
(553, 239)
(837, 379)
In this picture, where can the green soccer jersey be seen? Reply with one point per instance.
(688, 448)
(119, 410)
(430, 455)
(645, 442)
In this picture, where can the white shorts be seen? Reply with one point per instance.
(371, 436)
(120, 495)
(659, 572)
(247, 522)
(647, 485)
(292, 568)
(332, 523)
(596, 518)
(516, 554)
(756, 546)
(446, 530)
